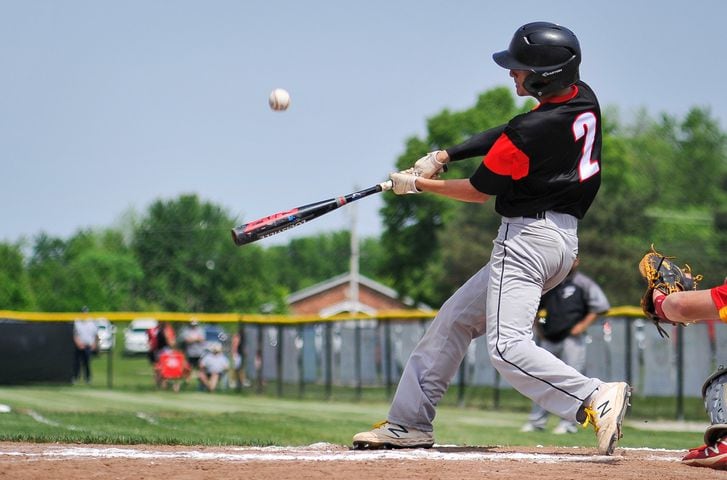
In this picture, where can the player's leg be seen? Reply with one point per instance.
(438, 355)
(430, 368)
(572, 352)
(538, 417)
(77, 364)
(529, 258)
(526, 260)
(204, 379)
(214, 379)
(86, 363)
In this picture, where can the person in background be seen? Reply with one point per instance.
(171, 369)
(239, 359)
(213, 367)
(193, 340)
(85, 341)
(160, 337)
(569, 309)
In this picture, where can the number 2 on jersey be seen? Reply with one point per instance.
(585, 124)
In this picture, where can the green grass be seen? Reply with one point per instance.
(134, 373)
(133, 411)
(82, 414)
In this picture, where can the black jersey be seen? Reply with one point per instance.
(546, 159)
(568, 303)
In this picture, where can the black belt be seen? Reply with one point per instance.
(538, 215)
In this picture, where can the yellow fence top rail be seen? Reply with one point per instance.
(623, 311)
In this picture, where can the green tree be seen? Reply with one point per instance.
(15, 291)
(303, 262)
(102, 270)
(91, 268)
(686, 207)
(190, 263)
(309, 260)
(48, 276)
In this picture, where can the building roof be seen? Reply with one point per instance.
(345, 278)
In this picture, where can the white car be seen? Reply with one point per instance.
(106, 334)
(136, 338)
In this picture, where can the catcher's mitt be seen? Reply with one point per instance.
(663, 275)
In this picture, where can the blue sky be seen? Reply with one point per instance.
(107, 106)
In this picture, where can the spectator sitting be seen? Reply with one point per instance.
(212, 367)
(172, 369)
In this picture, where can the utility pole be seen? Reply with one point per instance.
(354, 261)
(354, 299)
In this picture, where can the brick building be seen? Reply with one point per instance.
(335, 296)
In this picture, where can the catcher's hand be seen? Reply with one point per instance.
(663, 275)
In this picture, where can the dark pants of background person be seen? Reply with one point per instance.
(82, 360)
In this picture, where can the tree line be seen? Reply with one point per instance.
(664, 182)
(177, 257)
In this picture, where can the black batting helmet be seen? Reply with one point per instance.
(550, 51)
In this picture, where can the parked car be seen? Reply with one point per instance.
(106, 334)
(136, 338)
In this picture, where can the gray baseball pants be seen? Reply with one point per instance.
(572, 350)
(529, 257)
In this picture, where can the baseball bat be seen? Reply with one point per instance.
(281, 221)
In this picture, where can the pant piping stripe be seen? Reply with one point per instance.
(497, 343)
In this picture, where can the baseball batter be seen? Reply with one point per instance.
(544, 168)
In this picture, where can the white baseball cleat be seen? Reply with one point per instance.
(564, 428)
(606, 412)
(390, 435)
(529, 428)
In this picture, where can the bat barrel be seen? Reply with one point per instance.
(279, 222)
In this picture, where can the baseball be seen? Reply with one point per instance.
(279, 99)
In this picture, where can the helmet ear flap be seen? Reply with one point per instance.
(540, 83)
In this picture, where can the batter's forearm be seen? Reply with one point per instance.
(457, 189)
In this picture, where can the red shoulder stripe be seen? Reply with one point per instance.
(504, 158)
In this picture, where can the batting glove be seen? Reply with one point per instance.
(404, 182)
(428, 166)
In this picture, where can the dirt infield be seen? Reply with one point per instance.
(323, 461)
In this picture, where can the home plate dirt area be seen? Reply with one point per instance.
(324, 461)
